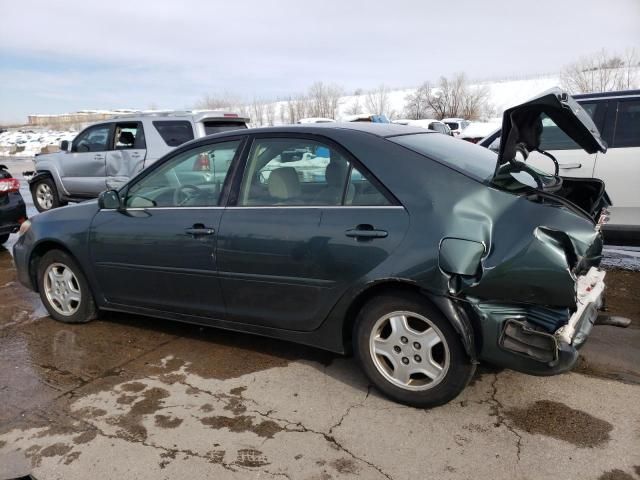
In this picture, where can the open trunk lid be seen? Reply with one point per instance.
(522, 125)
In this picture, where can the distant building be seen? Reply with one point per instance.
(82, 116)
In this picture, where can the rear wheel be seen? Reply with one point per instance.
(45, 195)
(63, 288)
(410, 351)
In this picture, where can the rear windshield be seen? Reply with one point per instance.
(174, 132)
(468, 158)
(216, 126)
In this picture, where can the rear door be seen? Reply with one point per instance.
(620, 166)
(83, 170)
(126, 156)
(305, 225)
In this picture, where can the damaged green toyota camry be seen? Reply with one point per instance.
(420, 253)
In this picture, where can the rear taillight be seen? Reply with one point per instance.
(232, 115)
(9, 185)
(202, 163)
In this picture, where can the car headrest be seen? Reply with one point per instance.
(284, 183)
(126, 138)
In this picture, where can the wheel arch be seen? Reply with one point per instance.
(38, 252)
(450, 309)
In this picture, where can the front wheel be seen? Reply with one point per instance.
(410, 351)
(45, 195)
(63, 288)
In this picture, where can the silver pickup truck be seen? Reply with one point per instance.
(107, 154)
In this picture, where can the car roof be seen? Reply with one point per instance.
(378, 129)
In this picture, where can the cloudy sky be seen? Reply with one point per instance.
(78, 54)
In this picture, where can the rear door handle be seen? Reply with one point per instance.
(99, 157)
(570, 166)
(199, 230)
(365, 232)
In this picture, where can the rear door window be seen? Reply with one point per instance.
(627, 130)
(296, 171)
(174, 132)
(129, 135)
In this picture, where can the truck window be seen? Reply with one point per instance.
(627, 132)
(129, 135)
(217, 126)
(174, 132)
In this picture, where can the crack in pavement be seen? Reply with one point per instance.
(497, 409)
(301, 428)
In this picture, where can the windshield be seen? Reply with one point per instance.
(468, 158)
(212, 127)
(453, 125)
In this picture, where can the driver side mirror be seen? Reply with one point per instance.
(65, 146)
(109, 200)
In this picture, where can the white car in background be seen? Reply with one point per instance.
(457, 125)
(316, 120)
(428, 123)
(476, 131)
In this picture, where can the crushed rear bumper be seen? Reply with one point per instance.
(521, 344)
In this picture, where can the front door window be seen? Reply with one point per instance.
(192, 179)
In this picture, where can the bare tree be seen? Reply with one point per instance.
(282, 114)
(602, 72)
(355, 107)
(377, 101)
(475, 102)
(417, 103)
(270, 111)
(257, 111)
(323, 100)
(454, 98)
(217, 102)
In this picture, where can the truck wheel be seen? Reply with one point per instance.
(410, 351)
(45, 195)
(63, 288)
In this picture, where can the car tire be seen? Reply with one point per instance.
(45, 195)
(410, 351)
(4, 238)
(63, 288)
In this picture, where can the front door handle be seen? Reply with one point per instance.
(198, 230)
(365, 232)
(570, 166)
(99, 157)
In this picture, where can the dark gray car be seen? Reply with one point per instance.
(421, 253)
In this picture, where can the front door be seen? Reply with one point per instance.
(158, 252)
(306, 226)
(82, 171)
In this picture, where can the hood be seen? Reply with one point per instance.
(522, 125)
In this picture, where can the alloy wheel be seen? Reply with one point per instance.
(44, 194)
(62, 289)
(409, 350)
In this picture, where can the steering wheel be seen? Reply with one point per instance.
(180, 197)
